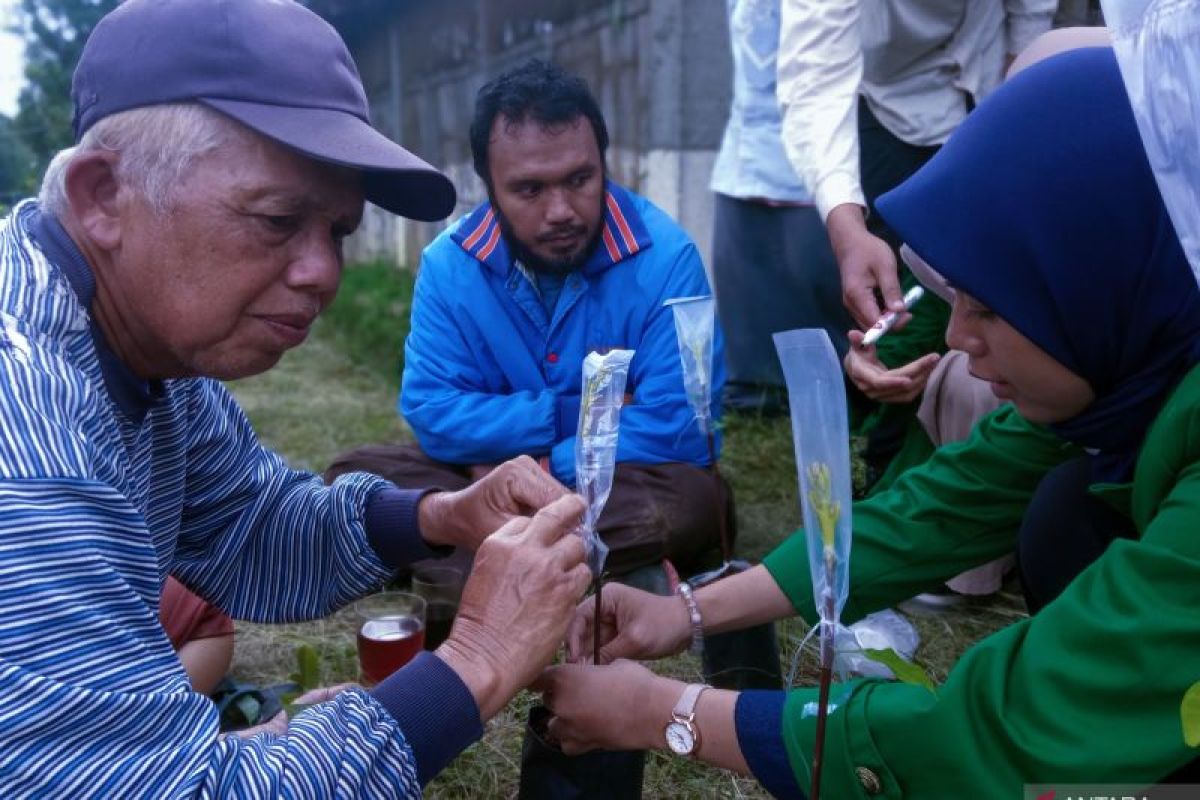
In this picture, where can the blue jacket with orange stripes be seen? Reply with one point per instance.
(489, 374)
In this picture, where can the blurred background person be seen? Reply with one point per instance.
(869, 92)
(773, 269)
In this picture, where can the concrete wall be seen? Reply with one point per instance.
(660, 69)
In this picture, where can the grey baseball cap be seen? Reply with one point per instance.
(272, 65)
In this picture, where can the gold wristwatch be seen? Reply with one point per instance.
(683, 738)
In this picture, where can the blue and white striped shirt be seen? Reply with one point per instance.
(100, 498)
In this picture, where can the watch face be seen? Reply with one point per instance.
(680, 739)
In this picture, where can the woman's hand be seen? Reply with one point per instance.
(620, 706)
(624, 706)
(633, 624)
(900, 385)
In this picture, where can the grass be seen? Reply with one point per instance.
(339, 391)
(369, 320)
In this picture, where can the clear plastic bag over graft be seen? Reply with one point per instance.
(820, 433)
(604, 377)
(695, 326)
(694, 322)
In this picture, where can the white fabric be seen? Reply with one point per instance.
(915, 62)
(751, 162)
(1158, 47)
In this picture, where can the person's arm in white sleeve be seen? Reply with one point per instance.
(819, 71)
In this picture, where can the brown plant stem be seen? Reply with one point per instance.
(828, 632)
(599, 581)
(722, 522)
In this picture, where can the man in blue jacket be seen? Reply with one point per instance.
(559, 262)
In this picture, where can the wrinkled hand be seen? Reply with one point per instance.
(480, 471)
(633, 624)
(465, 518)
(621, 706)
(866, 263)
(525, 583)
(900, 385)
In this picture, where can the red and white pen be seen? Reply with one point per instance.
(886, 322)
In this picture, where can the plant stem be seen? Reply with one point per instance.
(722, 522)
(599, 580)
(828, 631)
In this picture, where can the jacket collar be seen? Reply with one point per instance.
(623, 234)
(134, 396)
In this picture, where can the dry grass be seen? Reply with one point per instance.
(316, 403)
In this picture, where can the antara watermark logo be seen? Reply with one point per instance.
(1101, 791)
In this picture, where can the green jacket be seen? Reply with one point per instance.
(1088, 690)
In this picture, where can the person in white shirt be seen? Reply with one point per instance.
(918, 67)
(772, 267)
(868, 92)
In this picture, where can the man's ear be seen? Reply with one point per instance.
(92, 189)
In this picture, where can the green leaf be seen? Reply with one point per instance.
(308, 668)
(1189, 713)
(905, 671)
(287, 699)
(249, 707)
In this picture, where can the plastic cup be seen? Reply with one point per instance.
(441, 587)
(391, 633)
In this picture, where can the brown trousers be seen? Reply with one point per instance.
(655, 511)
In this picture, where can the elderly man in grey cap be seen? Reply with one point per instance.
(193, 234)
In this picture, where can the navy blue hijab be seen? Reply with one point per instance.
(1043, 206)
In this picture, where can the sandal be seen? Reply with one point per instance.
(243, 705)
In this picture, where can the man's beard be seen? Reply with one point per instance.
(559, 266)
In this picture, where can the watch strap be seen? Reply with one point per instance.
(685, 708)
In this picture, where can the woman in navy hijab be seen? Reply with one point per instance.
(1076, 301)
(1073, 299)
